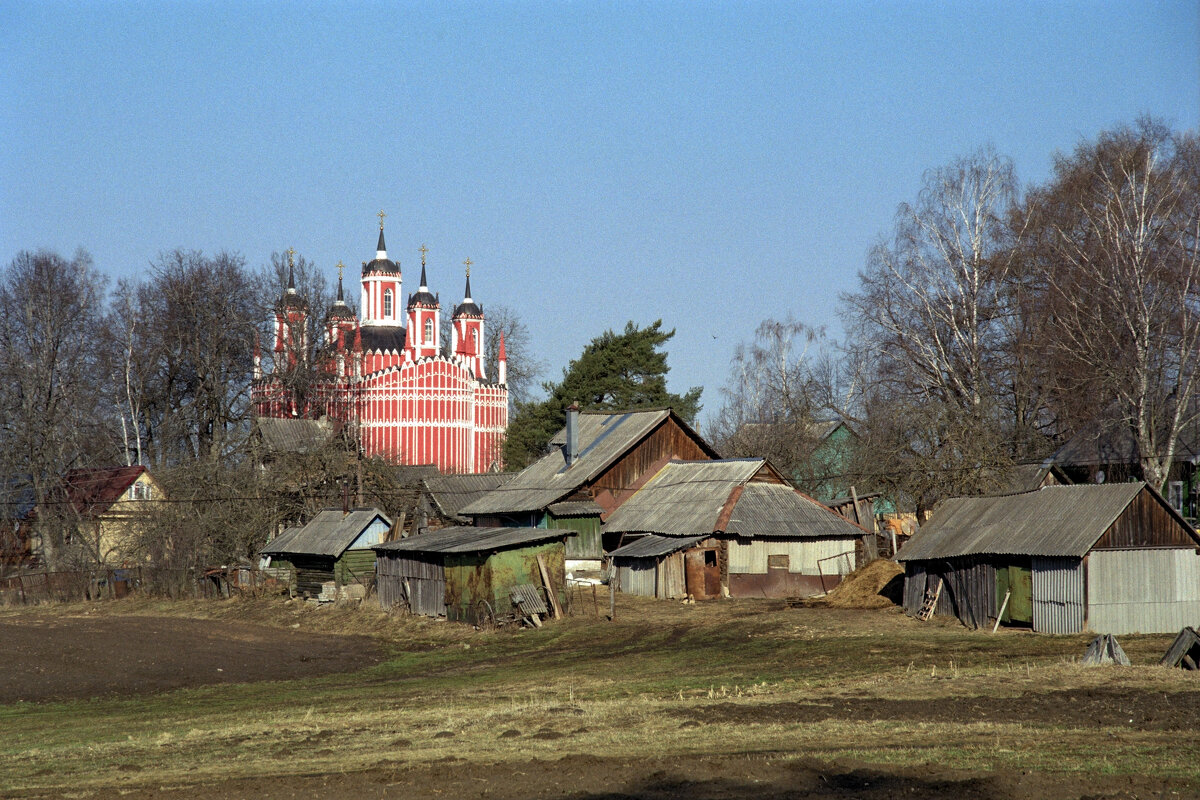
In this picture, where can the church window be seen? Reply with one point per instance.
(428, 331)
(387, 303)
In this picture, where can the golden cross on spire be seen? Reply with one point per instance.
(468, 263)
(381, 215)
(424, 250)
(340, 267)
(291, 251)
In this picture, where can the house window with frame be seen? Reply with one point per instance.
(140, 491)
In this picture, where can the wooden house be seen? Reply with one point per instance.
(334, 547)
(596, 462)
(108, 506)
(731, 527)
(1112, 558)
(468, 573)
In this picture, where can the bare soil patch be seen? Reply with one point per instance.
(700, 777)
(57, 657)
(1083, 708)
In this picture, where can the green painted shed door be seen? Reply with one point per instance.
(1018, 580)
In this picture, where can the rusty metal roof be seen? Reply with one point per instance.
(773, 510)
(603, 438)
(465, 539)
(450, 493)
(687, 498)
(1063, 521)
(329, 533)
(652, 546)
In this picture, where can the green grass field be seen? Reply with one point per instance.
(663, 679)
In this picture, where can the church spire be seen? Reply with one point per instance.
(381, 248)
(291, 252)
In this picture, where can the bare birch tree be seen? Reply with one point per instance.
(1123, 274)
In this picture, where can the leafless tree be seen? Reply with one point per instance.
(50, 414)
(1120, 225)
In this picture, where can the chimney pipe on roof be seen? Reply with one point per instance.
(571, 451)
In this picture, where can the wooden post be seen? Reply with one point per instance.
(854, 500)
(558, 613)
(612, 592)
(1003, 606)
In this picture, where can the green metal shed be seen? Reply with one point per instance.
(335, 546)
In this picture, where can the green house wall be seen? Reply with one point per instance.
(585, 544)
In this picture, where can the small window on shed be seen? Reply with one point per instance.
(779, 561)
(710, 558)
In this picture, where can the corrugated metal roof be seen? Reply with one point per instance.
(1052, 521)
(652, 546)
(575, 508)
(465, 539)
(603, 438)
(450, 493)
(327, 534)
(293, 435)
(683, 498)
(773, 510)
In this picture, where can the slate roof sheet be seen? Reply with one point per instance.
(465, 539)
(450, 493)
(293, 435)
(603, 438)
(329, 533)
(686, 498)
(1062, 521)
(653, 545)
(683, 498)
(772, 510)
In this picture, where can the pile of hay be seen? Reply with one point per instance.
(877, 585)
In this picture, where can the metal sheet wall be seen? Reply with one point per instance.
(750, 556)
(1143, 591)
(1058, 598)
(638, 576)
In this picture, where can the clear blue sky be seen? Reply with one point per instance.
(711, 164)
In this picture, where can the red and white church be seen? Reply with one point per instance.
(394, 386)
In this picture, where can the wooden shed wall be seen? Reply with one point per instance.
(490, 577)
(413, 581)
(355, 566)
(665, 442)
(1146, 522)
(968, 592)
(803, 555)
(585, 544)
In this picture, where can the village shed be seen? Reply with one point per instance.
(595, 463)
(335, 546)
(1110, 558)
(466, 573)
(703, 529)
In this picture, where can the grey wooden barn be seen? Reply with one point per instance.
(1111, 558)
(335, 546)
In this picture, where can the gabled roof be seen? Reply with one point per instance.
(690, 498)
(1028, 477)
(329, 533)
(603, 438)
(93, 491)
(282, 435)
(1054, 521)
(450, 493)
(465, 539)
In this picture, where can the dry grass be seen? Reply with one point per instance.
(643, 685)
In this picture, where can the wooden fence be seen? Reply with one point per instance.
(33, 587)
